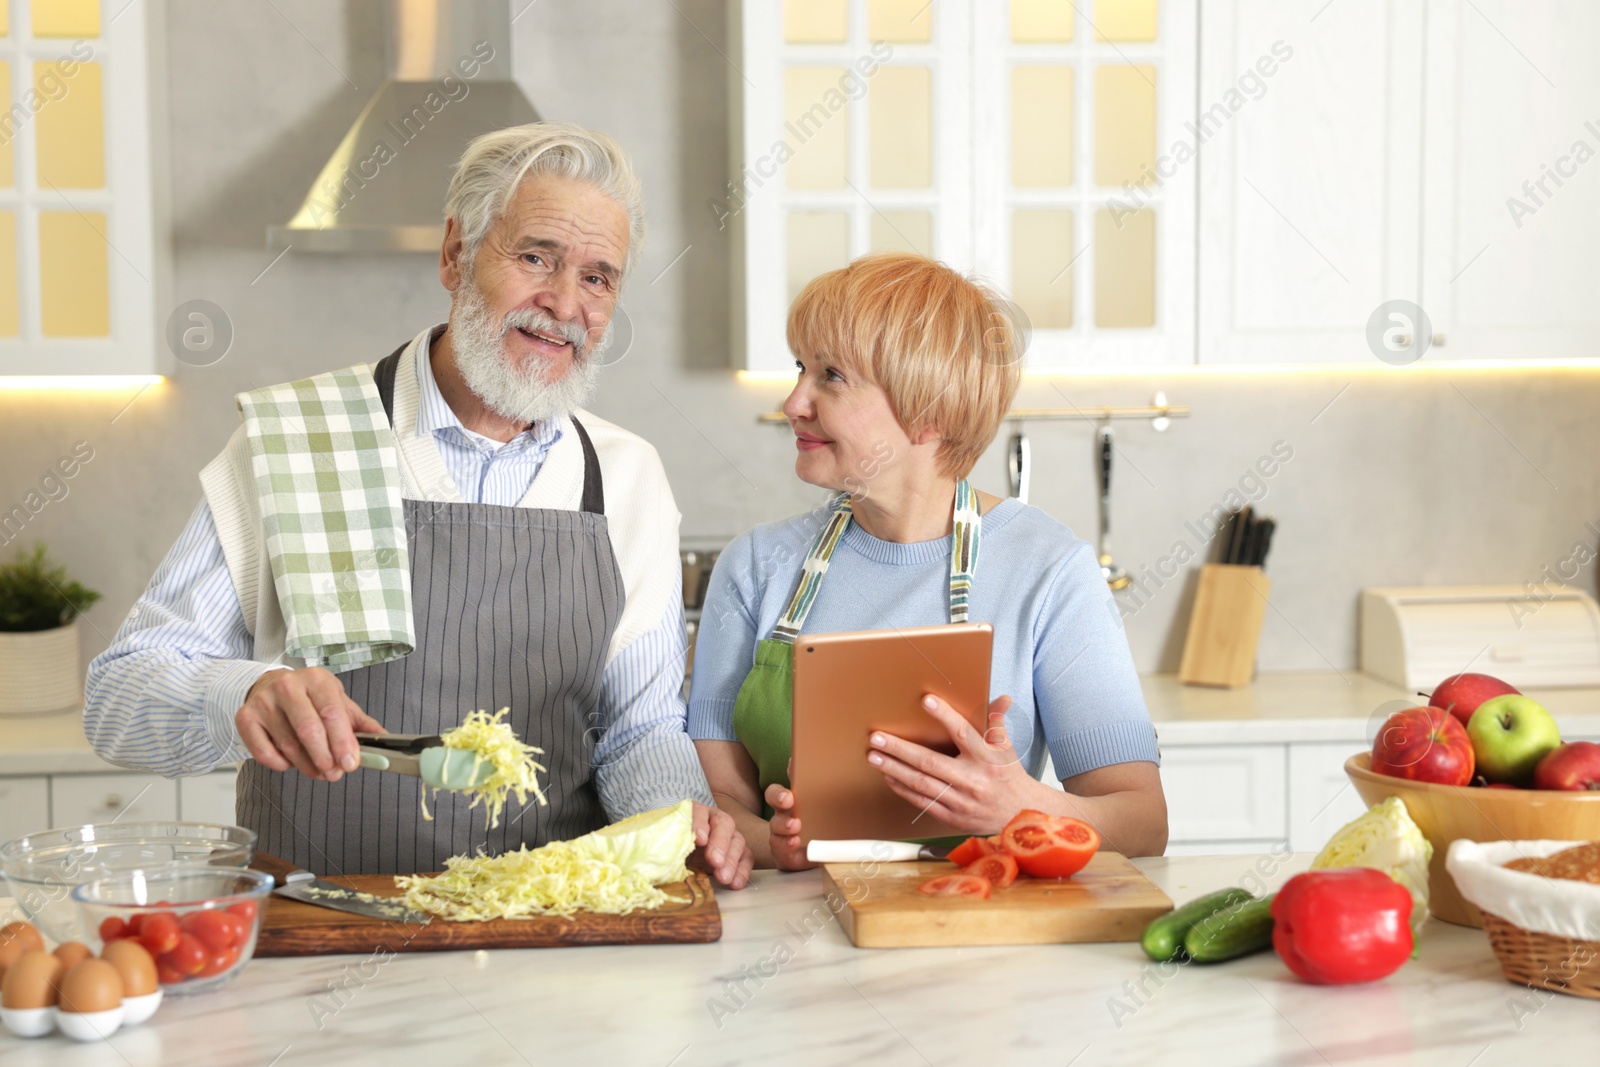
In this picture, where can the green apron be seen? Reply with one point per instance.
(763, 713)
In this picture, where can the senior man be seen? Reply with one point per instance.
(449, 531)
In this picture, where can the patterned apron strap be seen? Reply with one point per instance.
(812, 572)
(963, 561)
(963, 549)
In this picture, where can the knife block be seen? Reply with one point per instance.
(1225, 626)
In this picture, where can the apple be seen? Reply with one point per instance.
(1460, 694)
(1424, 745)
(1575, 765)
(1510, 735)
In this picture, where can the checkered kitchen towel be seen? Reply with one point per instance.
(328, 479)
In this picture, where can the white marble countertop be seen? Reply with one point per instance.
(51, 743)
(1276, 708)
(1283, 707)
(834, 1004)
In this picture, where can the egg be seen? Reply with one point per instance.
(70, 953)
(15, 939)
(93, 985)
(30, 982)
(133, 963)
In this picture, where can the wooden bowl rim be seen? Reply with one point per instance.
(1359, 767)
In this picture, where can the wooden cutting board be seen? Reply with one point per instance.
(1109, 900)
(294, 928)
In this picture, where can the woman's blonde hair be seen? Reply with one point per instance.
(946, 350)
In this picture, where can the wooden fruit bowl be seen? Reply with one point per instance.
(1445, 813)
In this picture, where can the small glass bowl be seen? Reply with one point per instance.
(41, 869)
(209, 916)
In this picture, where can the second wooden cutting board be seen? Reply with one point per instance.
(1109, 900)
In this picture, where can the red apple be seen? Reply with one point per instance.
(1424, 745)
(1575, 765)
(1460, 694)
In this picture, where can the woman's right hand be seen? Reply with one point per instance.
(788, 854)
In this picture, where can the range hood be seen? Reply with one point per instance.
(448, 80)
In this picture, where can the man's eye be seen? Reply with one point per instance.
(532, 257)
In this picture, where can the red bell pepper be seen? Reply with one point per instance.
(1340, 926)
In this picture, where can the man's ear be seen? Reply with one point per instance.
(450, 256)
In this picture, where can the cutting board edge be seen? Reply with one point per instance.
(700, 922)
(911, 931)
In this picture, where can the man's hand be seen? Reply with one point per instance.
(303, 719)
(723, 846)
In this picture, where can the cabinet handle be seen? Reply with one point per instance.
(113, 802)
(1438, 340)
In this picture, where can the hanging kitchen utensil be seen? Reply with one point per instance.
(1017, 462)
(1115, 576)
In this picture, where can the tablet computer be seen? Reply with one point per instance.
(847, 685)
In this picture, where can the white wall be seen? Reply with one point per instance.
(1406, 478)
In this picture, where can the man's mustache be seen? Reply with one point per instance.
(538, 322)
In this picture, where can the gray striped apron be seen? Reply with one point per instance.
(514, 607)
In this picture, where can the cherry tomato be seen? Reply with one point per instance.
(131, 927)
(998, 868)
(112, 929)
(1049, 846)
(955, 885)
(245, 909)
(220, 961)
(188, 956)
(166, 974)
(159, 932)
(214, 929)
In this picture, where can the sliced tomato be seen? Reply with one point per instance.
(1049, 846)
(955, 885)
(973, 848)
(998, 867)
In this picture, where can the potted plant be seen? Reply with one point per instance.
(40, 668)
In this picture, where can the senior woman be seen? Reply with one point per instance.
(905, 372)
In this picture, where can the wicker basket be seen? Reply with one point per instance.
(1559, 964)
(1542, 930)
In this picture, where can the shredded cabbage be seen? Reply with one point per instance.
(1385, 838)
(514, 769)
(611, 872)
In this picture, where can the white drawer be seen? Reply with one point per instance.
(24, 806)
(1223, 793)
(1321, 798)
(79, 799)
(208, 798)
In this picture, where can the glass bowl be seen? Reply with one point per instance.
(42, 869)
(199, 922)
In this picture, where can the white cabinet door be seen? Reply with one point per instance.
(1321, 798)
(79, 799)
(1309, 176)
(24, 806)
(1224, 793)
(208, 798)
(1512, 178)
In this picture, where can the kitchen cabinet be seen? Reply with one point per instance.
(1224, 793)
(208, 798)
(84, 289)
(1321, 798)
(24, 805)
(1311, 188)
(1510, 139)
(78, 799)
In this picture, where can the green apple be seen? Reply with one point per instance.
(1510, 735)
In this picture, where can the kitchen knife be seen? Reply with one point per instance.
(1241, 521)
(297, 883)
(1247, 541)
(1264, 541)
(424, 756)
(1017, 463)
(867, 851)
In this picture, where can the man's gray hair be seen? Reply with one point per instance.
(494, 164)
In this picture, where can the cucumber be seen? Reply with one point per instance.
(1163, 938)
(1230, 933)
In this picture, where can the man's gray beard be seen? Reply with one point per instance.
(524, 393)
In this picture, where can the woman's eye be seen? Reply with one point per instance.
(835, 376)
